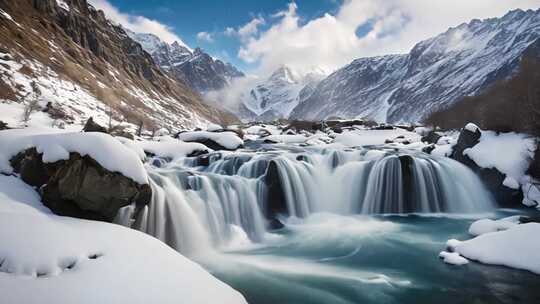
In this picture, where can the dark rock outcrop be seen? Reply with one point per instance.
(275, 202)
(467, 139)
(92, 126)
(428, 149)
(3, 126)
(431, 138)
(79, 187)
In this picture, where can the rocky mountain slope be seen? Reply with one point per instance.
(84, 65)
(463, 61)
(196, 68)
(276, 96)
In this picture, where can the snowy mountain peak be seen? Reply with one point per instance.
(197, 68)
(277, 95)
(150, 42)
(284, 73)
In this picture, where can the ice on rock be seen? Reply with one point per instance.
(511, 183)
(531, 194)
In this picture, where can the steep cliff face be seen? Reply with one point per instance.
(463, 61)
(196, 68)
(88, 66)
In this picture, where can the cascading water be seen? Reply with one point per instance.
(204, 202)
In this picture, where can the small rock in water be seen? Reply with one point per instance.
(275, 224)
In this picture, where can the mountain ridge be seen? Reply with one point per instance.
(464, 60)
(195, 67)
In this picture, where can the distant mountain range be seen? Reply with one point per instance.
(463, 61)
(87, 64)
(198, 69)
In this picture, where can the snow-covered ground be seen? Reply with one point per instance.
(376, 137)
(51, 259)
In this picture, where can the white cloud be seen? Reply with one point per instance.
(330, 41)
(229, 31)
(246, 31)
(205, 36)
(138, 24)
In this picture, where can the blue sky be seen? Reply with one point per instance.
(260, 35)
(187, 18)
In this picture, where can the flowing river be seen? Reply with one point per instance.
(289, 224)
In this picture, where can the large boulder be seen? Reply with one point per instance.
(491, 178)
(79, 187)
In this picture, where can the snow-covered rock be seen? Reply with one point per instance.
(103, 148)
(168, 147)
(225, 140)
(453, 258)
(51, 259)
(515, 247)
(514, 162)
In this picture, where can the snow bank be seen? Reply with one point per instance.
(374, 137)
(453, 258)
(52, 259)
(260, 130)
(229, 140)
(486, 225)
(514, 162)
(103, 148)
(516, 247)
(12, 113)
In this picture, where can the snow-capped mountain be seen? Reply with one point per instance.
(463, 61)
(276, 96)
(196, 68)
(150, 42)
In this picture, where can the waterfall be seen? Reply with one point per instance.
(203, 202)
